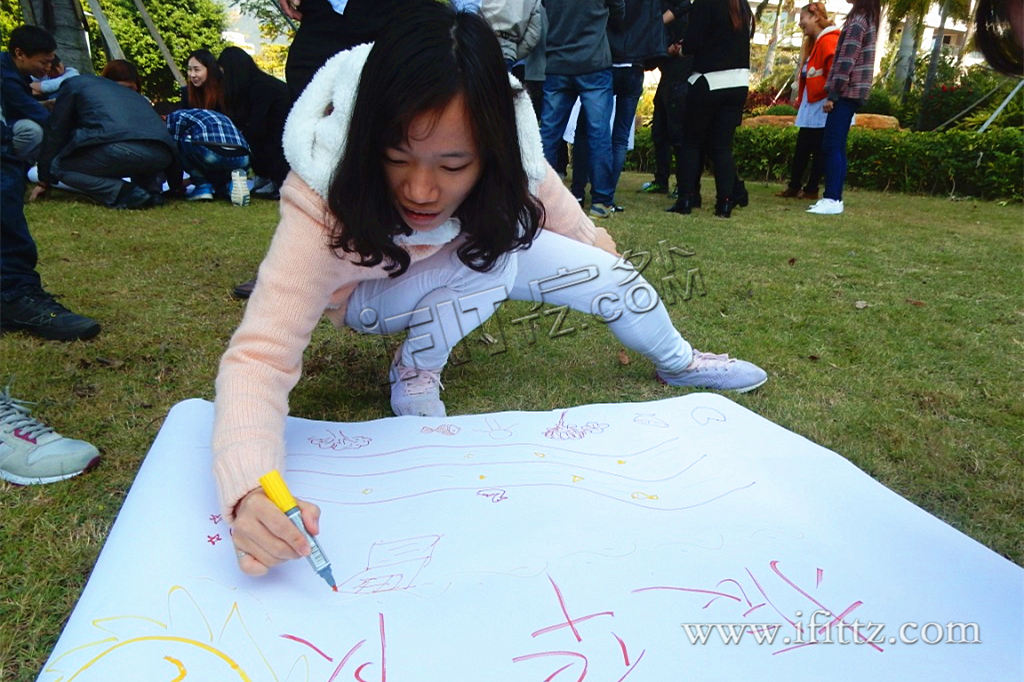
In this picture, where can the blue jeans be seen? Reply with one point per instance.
(97, 170)
(595, 93)
(627, 86)
(18, 255)
(206, 165)
(833, 146)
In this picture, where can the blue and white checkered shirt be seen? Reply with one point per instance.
(204, 126)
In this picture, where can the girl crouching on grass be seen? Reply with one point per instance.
(416, 202)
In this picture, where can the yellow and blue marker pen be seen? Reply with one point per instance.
(275, 488)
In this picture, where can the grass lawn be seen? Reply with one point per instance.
(892, 334)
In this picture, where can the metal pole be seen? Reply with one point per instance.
(1000, 108)
(108, 35)
(160, 43)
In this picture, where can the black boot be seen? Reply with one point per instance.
(723, 207)
(739, 193)
(684, 204)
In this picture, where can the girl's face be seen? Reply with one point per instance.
(196, 72)
(435, 169)
(809, 24)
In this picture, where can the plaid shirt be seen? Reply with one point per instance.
(854, 63)
(205, 126)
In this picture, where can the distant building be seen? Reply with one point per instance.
(238, 39)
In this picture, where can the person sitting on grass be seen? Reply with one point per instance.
(419, 200)
(45, 88)
(210, 147)
(30, 51)
(99, 133)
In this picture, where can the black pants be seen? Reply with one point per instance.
(711, 120)
(808, 148)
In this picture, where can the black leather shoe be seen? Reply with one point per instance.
(723, 207)
(684, 204)
(740, 195)
(132, 196)
(244, 290)
(36, 312)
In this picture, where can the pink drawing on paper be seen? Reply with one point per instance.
(340, 441)
(563, 431)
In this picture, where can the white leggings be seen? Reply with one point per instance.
(440, 300)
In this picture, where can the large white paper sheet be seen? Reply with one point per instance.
(599, 542)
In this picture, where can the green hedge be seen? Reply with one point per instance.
(988, 165)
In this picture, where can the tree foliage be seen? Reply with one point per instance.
(273, 24)
(184, 25)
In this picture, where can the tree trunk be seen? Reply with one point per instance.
(969, 35)
(933, 62)
(65, 20)
(781, 16)
(904, 63)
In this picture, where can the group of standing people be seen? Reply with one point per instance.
(699, 118)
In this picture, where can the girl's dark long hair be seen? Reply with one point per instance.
(426, 56)
(869, 9)
(741, 17)
(239, 72)
(996, 39)
(210, 95)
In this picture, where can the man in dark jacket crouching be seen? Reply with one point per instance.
(100, 132)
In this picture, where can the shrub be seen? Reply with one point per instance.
(988, 165)
(879, 101)
(780, 110)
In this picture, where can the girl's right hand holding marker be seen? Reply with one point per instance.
(264, 537)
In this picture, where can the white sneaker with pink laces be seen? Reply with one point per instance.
(415, 391)
(716, 371)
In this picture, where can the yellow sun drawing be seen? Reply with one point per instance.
(184, 647)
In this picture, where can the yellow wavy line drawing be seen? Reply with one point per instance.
(181, 668)
(97, 622)
(182, 640)
(51, 669)
(236, 613)
(199, 609)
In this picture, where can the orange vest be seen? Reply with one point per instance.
(819, 62)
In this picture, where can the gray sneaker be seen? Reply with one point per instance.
(416, 391)
(718, 372)
(33, 453)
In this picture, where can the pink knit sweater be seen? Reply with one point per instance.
(301, 279)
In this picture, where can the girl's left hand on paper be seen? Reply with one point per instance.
(264, 537)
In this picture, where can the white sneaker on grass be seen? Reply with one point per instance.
(826, 206)
(716, 371)
(415, 391)
(33, 453)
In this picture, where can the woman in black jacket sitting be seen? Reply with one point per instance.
(258, 104)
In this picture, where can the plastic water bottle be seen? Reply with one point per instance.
(239, 188)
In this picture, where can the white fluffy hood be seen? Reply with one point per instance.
(317, 127)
